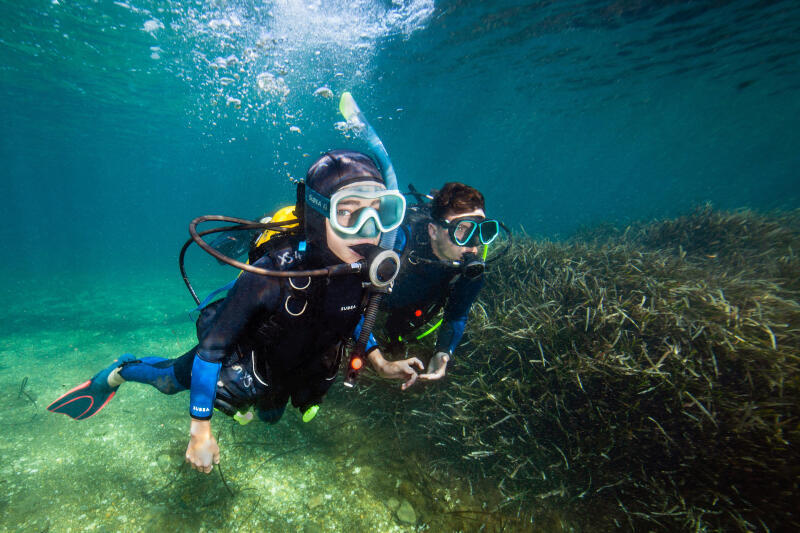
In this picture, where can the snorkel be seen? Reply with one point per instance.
(353, 115)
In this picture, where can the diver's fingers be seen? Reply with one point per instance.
(433, 376)
(202, 466)
(413, 361)
(409, 382)
(202, 462)
(196, 465)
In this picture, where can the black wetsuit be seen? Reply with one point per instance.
(270, 339)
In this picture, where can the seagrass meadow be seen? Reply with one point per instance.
(646, 378)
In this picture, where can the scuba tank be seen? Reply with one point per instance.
(285, 215)
(260, 244)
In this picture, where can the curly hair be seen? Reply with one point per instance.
(455, 198)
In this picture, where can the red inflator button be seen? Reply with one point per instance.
(356, 363)
(418, 313)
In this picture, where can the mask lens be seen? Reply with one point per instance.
(346, 212)
(379, 209)
(489, 231)
(391, 211)
(463, 232)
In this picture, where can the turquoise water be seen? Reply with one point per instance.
(563, 113)
(121, 121)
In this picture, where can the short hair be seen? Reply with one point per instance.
(455, 198)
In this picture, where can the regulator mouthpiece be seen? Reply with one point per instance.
(472, 266)
(382, 266)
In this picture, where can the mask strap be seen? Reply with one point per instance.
(319, 203)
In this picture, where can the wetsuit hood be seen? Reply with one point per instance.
(332, 171)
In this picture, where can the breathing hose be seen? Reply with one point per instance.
(243, 224)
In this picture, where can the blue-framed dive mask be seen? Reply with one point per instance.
(361, 211)
(471, 230)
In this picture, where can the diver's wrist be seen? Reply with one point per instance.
(376, 359)
(200, 429)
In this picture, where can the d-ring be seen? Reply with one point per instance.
(286, 306)
(304, 287)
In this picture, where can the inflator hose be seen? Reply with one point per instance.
(274, 226)
(335, 270)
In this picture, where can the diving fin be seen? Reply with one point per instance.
(88, 398)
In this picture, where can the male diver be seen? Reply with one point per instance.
(440, 269)
(272, 339)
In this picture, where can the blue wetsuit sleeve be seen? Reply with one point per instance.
(204, 388)
(456, 311)
(252, 294)
(371, 342)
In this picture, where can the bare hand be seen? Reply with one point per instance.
(436, 367)
(402, 369)
(203, 451)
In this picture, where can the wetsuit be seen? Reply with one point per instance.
(421, 290)
(269, 340)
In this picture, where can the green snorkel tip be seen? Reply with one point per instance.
(348, 106)
(311, 412)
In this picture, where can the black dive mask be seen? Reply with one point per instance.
(472, 266)
(381, 266)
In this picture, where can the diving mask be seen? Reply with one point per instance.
(471, 231)
(361, 211)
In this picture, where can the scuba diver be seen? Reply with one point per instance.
(440, 269)
(279, 334)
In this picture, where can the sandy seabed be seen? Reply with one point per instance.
(123, 470)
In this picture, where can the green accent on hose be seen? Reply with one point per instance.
(399, 338)
(485, 251)
(431, 330)
(310, 413)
